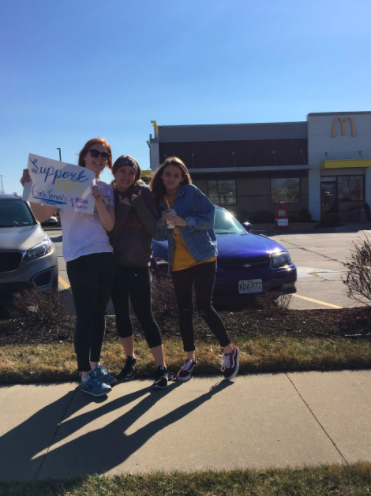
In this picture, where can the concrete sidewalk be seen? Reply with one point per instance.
(257, 421)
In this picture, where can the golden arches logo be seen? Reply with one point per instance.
(343, 126)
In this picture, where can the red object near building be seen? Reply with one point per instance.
(282, 216)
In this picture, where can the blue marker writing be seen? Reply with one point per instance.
(75, 177)
(48, 197)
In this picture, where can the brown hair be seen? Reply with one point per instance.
(157, 185)
(133, 218)
(87, 147)
(138, 171)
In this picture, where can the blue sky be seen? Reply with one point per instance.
(74, 69)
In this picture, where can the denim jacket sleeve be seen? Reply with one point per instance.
(205, 210)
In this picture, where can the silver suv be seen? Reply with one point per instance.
(27, 256)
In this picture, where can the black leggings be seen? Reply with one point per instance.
(91, 278)
(203, 278)
(134, 282)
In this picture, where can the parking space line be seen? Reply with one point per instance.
(317, 301)
(63, 283)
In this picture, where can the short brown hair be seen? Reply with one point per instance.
(157, 185)
(87, 147)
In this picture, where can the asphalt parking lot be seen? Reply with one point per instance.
(319, 257)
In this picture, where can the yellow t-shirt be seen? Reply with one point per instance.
(182, 259)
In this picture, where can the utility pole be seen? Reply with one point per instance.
(2, 187)
(60, 154)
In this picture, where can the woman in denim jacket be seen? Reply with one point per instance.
(192, 251)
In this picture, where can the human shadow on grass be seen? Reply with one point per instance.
(22, 450)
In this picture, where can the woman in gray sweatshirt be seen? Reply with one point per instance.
(131, 238)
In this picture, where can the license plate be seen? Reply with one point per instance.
(252, 286)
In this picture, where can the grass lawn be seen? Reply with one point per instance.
(56, 362)
(335, 480)
(275, 342)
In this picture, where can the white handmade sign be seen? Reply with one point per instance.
(59, 184)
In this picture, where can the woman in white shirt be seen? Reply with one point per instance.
(90, 266)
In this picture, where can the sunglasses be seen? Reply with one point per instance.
(95, 154)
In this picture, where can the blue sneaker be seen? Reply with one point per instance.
(94, 387)
(101, 373)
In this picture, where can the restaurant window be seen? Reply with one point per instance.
(328, 179)
(350, 188)
(222, 192)
(286, 189)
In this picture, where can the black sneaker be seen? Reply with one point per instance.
(128, 372)
(161, 378)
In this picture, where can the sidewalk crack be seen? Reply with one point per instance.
(318, 422)
(54, 435)
(313, 251)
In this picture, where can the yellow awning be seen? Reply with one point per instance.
(343, 164)
(146, 173)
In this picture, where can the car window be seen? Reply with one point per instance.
(15, 213)
(225, 223)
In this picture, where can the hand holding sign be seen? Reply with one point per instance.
(59, 184)
(26, 178)
(99, 197)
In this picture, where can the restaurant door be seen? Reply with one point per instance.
(329, 196)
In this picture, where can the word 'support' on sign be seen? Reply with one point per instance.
(59, 184)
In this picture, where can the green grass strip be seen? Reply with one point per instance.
(56, 362)
(336, 480)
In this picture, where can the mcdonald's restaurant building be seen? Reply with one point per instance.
(321, 165)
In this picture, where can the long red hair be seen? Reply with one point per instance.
(87, 147)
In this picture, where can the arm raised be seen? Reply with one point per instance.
(41, 212)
